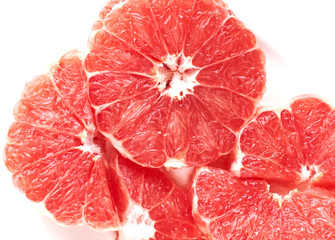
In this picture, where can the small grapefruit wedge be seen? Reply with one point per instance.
(150, 205)
(282, 183)
(53, 148)
(173, 82)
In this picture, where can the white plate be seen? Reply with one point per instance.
(297, 37)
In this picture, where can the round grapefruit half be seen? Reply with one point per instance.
(54, 151)
(173, 82)
(281, 185)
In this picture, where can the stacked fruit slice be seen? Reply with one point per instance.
(170, 84)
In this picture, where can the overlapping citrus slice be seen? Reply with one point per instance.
(173, 82)
(53, 150)
(285, 188)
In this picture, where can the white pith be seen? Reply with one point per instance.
(237, 164)
(174, 163)
(86, 137)
(182, 82)
(138, 224)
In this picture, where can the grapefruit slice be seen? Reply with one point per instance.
(150, 205)
(228, 207)
(284, 187)
(291, 145)
(173, 82)
(54, 152)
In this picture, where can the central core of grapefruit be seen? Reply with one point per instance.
(308, 175)
(92, 141)
(176, 77)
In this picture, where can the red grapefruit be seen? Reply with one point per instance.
(53, 150)
(173, 82)
(285, 188)
(57, 156)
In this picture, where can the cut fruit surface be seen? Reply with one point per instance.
(53, 150)
(172, 82)
(78, 174)
(228, 207)
(150, 205)
(284, 188)
(290, 145)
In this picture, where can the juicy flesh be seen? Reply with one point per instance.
(156, 208)
(172, 87)
(285, 187)
(227, 207)
(294, 147)
(54, 152)
(78, 174)
(170, 82)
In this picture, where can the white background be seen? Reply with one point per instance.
(298, 38)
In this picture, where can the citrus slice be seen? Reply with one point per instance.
(284, 187)
(172, 82)
(53, 149)
(150, 205)
(228, 207)
(292, 145)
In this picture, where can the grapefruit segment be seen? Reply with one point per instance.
(40, 105)
(231, 40)
(230, 108)
(110, 87)
(163, 62)
(42, 142)
(299, 141)
(177, 131)
(108, 53)
(66, 201)
(99, 209)
(132, 21)
(69, 78)
(311, 116)
(172, 18)
(242, 75)
(206, 18)
(38, 179)
(227, 207)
